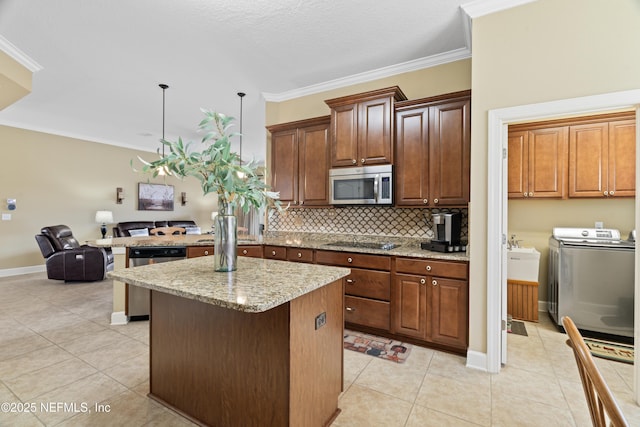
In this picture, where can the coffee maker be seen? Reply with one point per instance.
(446, 227)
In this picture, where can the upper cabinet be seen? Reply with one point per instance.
(362, 127)
(300, 161)
(537, 163)
(433, 150)
(590, 156)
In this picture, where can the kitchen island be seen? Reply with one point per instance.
(258, 346)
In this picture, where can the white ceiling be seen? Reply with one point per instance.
(102, 60)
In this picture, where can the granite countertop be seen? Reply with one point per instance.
(258, 285)
(406, 247)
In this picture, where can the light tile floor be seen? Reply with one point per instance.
(57, 348)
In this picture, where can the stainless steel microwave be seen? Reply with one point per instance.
(367, 185)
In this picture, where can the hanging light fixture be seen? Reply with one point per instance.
(241, 95)
(162, 170)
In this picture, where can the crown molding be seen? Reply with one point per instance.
(392, 70)
(478, 8)
(10, 49)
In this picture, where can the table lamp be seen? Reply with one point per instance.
(104, 217)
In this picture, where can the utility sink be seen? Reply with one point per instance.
(523, 264)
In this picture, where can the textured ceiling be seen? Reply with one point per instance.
(102, 60)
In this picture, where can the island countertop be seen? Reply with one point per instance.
(256, 286)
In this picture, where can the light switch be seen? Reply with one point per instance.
(6, 217)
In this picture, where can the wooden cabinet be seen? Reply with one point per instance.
(300, 255)
(275, 252)
(430, 301)
(253, 251)
(300, 161)
(592, 156)
(197, 251)
(537, 163)
(362, 127)
(367, 288)
(602, 159)
(433, 151)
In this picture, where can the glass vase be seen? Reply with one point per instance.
(225, 238)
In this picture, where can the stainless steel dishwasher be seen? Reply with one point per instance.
(591, 279)
(137, 297)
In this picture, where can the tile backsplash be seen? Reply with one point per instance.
(362, 220)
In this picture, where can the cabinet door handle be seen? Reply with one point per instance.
(435, 201)
(351, 281)
(606, 193)
(349, 259)
(244, 252)
(350, 309)
(530, 194)
(611, 193)
(423, 281)
(434, 282)
(425, 201)
(354, 161)
(362, 161)
(428, 267)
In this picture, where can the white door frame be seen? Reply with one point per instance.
(498, 120)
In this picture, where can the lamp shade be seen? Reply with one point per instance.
(104, 217)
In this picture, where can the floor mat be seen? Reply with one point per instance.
(517, 327)
(383, 348)
(610, 350)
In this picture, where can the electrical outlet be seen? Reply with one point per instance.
(599, 225)
(321, 320)
(6, 217)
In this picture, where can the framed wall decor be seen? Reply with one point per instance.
(155, 197)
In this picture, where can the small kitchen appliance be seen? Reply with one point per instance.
(446, 227)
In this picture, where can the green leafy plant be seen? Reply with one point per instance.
(218, 169)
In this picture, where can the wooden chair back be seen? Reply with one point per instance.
(167, 231)
(602, 404)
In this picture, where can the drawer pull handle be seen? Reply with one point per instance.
(206, 252)
(351, 281)
(428, 267)
(244, 252)
(349, 259)
(350, 309)
(423, 281)
(434, 282)
(299, 255)
(273, 253)
(435, 201)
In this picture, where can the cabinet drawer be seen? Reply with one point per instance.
(299, 255)
(430, 267)
(366, 312)
(368, 283)
(275, 252)
(196, 251)
(350, 259)
(253, 251)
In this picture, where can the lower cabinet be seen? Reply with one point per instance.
(430, 301)
(253, 251)
(196, 251)
(367, 289)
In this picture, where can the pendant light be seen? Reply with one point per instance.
(241, 95)
(164, 87)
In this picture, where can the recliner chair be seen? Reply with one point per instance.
(69, 261)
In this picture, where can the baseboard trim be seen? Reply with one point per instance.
(477, 360)
(7, 272)
(119, 318)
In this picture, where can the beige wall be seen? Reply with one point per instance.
(59, 180)
(542, 51)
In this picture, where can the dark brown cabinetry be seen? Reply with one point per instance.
(590, 156)
(362, 127)
(433, 151)
(367, 288)
(197, 251)
(275, 252)
(253, 251)
(300, 161)
(430, 301)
